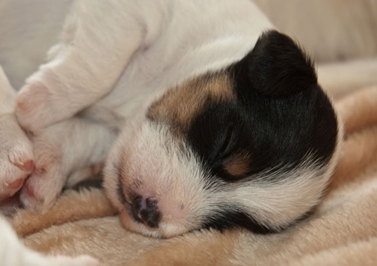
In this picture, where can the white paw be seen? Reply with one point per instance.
(46, 99)
(35, 107)
(55, 159)
(16, 157)
(45, 183)
(61, 150)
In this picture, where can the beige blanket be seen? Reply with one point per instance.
(341, 231)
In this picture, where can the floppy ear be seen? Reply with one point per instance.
(277, 67)
(286, 114)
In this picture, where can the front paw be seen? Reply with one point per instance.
(45, 183)
(35, 108)
(52, 165)
(16, 157)
(48, 97)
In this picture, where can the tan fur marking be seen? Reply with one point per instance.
(179, 106)
(237, 164)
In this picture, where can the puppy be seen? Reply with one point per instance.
(214, 119)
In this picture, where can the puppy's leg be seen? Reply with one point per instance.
(16, 150)
(14, 253)
(60, 150)
(98, 41)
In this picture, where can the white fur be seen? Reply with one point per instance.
(150, 42)
(154, 167)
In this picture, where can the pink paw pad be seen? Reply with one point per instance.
(23, 164)
(16, 184)
(11, 187)
(26, 166)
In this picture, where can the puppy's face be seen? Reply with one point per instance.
(251, 146)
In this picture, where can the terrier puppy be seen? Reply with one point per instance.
(214, 118)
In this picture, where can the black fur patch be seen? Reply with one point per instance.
(277, 67)
(288, 114)
(216, 133)
(89, 183)
(280, 114)
(233, 219)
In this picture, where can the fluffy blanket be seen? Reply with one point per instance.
(342, 230)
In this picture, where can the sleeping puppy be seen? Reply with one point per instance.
(214, 119)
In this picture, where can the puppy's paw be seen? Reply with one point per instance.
(46, 182)
(60, 150)
(16, 156)
(55, 157)
(35, 106)
(48, 97)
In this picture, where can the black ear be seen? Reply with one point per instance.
(286, 114)
(276, 67)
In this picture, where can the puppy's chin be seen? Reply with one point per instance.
(164, 230)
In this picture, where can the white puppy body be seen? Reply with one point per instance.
(149, 46)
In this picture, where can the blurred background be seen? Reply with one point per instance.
(341, 35)
(329, 30)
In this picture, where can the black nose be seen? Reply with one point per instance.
(146, 211)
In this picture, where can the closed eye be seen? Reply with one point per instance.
(227, 144)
